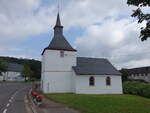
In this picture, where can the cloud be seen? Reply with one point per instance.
(116, 40)
(83, 13)
(19, 53)
(107, 30)
(20, 19)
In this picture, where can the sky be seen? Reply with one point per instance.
(96, 28)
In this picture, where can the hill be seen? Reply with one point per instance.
(35, 65)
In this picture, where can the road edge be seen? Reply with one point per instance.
(30, 106)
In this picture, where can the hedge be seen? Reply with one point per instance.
(137, 88)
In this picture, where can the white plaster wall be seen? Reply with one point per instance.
(57, 76)
(42, 70)
(58, 82)
(82, 85)
(53, 61)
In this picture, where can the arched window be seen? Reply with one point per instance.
(108, 81)
(91, 81)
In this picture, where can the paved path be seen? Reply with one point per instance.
(12, 98)
(50, 106)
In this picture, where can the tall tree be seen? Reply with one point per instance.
(125, 74)
(138, 13)
(36, 68)
(27, 72)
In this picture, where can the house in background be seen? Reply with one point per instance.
(64, 72)
(1, 77)
(141, 73)
(13, 72)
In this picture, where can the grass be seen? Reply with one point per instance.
(104, 103)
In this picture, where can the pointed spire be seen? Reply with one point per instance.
(58, 23)
(59, 42)
(58, 29)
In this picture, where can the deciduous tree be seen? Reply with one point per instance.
(125, 74)
(27, 72)
(141, 16)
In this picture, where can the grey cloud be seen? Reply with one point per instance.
(123, 48)
(115, 38)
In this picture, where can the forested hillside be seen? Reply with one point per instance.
(34, 65)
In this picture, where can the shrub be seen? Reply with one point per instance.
(137, 88)
(146, 91)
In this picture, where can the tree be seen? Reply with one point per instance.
(27, 72)
(34, 65)
(3, 68)
(36, 68)
(125, 74)
(138, 13)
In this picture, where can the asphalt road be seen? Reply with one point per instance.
(12, 98)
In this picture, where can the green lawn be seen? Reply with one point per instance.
(104, 103)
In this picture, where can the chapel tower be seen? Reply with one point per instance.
(57, 62)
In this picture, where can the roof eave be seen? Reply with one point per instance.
(58, 27)
(74, 50)
(98, 74)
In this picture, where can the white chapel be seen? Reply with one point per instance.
(64, 72)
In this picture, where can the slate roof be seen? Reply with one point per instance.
(59, 42)
(13, 67)
(140, 70)
(94, 66)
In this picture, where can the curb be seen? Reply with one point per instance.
(32, 105)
